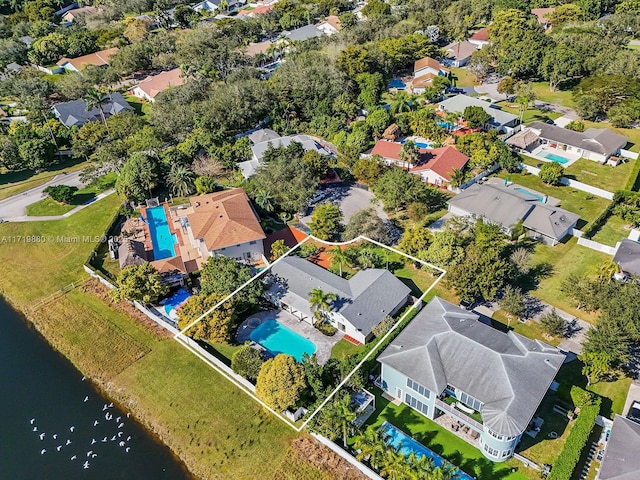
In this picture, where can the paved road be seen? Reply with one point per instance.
(16, 206)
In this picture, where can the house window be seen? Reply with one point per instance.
(506, 453)
(491, 451)
(416, 387)
(415, 404)
(470, 401)
(252, 243)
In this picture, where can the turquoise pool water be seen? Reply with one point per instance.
(530, 194)
(397, 83)
(277, 338)
(406, 445)
(443, 124)
(556, 158)
(172, 303)
(162, 239)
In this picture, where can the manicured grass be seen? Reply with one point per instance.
(530, 114)
(142, 108)
(443, 442)
(559, 97)
(565, 259)
(463, 77)
(418, 280)
(45, 256)
(529, 329)
(576, 201)
(216, 429)
(12, 183)
(601, 176)
(614, 393)
(612, 231)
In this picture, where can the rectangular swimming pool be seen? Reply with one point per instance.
(277, 338)
(405, 445)
(162, 239)
(555, 158)
(529, 194)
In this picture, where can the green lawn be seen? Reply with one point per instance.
(463, 77)
(559, 97)
(529, 329)
(565, 259)
(12, 183)
(445, 443)
(576, 201)
(601, 176)
(216, 429)
(141, 107)
(612, 231)
(530, 114)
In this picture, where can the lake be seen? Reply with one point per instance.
(55, 425)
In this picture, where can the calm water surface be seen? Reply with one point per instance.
(42, 394)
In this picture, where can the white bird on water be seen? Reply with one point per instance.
(127, 449)
(111, 405)
(128, 414)
(121, 444)
(104, 439)
(55, 435)
(68, 442)
(42, 436)
(32, 421)
(86, 464)
(94, 455)
(86, 399)
(71, 429)
(120, 433)
(84, 378)
(74, 457)
(104, 407)
(43, 451)
(93, 440)
(118, 419)
(89, 453)
(113, 439)
(128, 438)
(35, 429)
(59, 447)
(121, 425)
(95, 423)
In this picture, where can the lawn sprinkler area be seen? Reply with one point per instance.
(268, 332)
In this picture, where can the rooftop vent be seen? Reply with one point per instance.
(197, 204)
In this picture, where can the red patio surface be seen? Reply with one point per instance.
(291, 236)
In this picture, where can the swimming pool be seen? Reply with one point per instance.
(397, 83)
(171, 304)
(555, 158)
(162, 239)
(277, 338)
(443, 124)
(530, 194)
(405, 445)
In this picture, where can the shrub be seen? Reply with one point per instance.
(383, 327)
(551, 173)
(205, 185)
(246, 361)
(553, 323)
(576, 126)
(326, 328)
(570, 454)
(61, 193)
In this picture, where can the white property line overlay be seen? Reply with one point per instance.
(184, 339)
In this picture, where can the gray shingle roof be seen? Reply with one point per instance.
(304, 33)
(460, 102)
(307, 142)
(628, 256)
(446, 345)
(506, 206)
(598, 140)
(75, 112)
(364, 300)
(621, 460)
(263, 135)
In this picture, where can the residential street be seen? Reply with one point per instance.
(15, 207)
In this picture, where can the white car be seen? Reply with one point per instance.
(634, 411)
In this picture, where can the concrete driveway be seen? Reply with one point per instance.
(350, 200)
(16, 206)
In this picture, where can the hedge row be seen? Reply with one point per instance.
(595, 225)
(570, 455)
(633, 181)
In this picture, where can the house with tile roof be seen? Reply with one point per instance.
(222, 223)
(435, 165)
(480, 38)
(98, 59)
(507, 205)
(70, 16)
(330, 25)
(543, 14)
(447, 362)
(424, 71)
(458, 54)
(151, 86)
(621, 460)
(362, 302)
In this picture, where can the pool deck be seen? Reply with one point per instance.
(539, 152)
(323, 344)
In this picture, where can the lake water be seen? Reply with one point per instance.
(39, 385)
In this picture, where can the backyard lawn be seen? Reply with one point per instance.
(463, 77)
(445, 443)
(12, 183)
(219, 431)
(559, 97)
(565, 259)
(529, 329)
(141, 108)
(601, 176)
(576, 201)
(612, 231)
(530, 114)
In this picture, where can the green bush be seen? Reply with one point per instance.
(551, 173)
(327, 329)
(570, 454)
(246, 361)
(61, 193)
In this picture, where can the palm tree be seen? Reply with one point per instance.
(409, 153)
(372, 444)
(607, 270)
(180, 179)
(395, 466)
(403, 102)
(345, 415)
(452, 119)
(457, 177)
(422, 467)
(319, 302)
(95, 99)
(264, 200)
(339, 257)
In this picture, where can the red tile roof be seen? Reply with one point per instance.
(430, 63)
(387, 149)
(442, 161)
(259, 10)
(480, 35)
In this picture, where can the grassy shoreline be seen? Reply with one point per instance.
(213, 428)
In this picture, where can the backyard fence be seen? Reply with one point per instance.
(585, 242)
(349, 458)
(599, 192)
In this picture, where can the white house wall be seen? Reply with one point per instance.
(244, 251)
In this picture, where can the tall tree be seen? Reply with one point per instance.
(281, 382)
(371, 446)
(216, 326)
(320, 303)
(142, 283)
(338, 257)
(223, 275)
(181, 180)
(325, 221)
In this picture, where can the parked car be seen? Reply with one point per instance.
(321, 195)
(634, 411)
